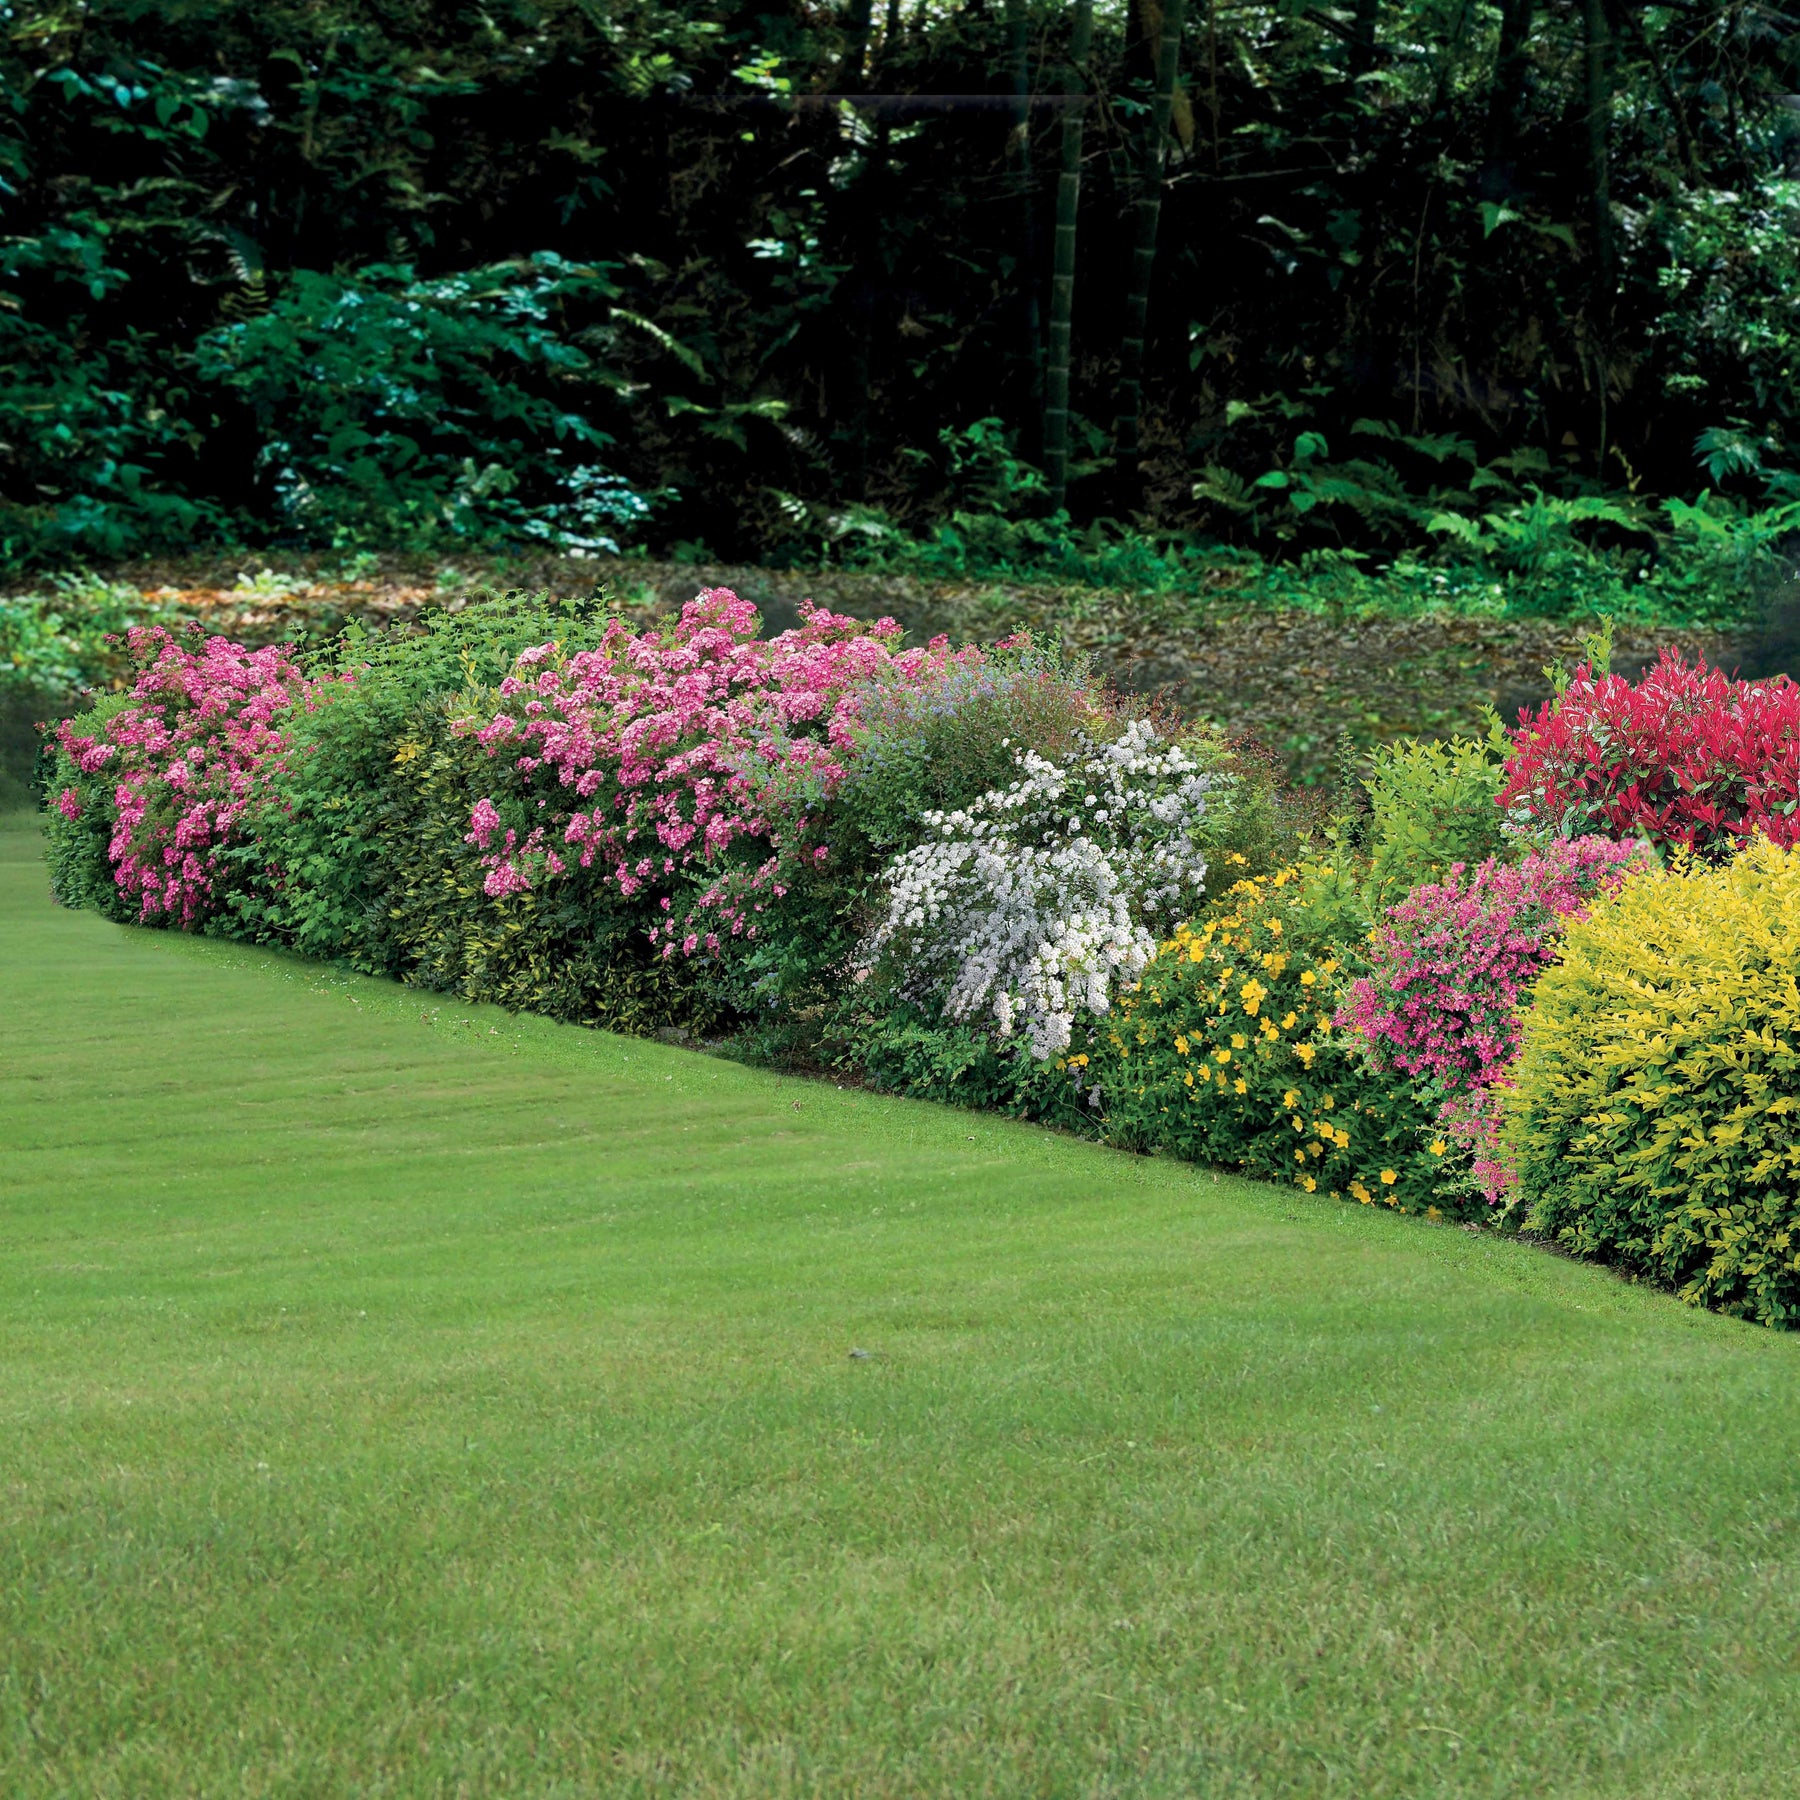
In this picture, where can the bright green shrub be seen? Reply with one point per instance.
(1225, 1052)
(1659, 1085)
(1433, 804)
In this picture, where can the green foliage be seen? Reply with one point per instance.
(1225, 1052)
(1431, 805)
(1730, 266)
(298, 268)
(394, 409)
(1659, 1081)
(315, 863)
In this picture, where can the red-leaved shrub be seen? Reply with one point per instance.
(1685, 756)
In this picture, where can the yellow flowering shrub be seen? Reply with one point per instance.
(1225, 1052)
(1656, 1116)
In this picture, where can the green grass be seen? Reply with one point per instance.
(401, 1398)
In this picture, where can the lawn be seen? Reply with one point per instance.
(402, 1398)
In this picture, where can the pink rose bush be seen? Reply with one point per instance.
(692, 766)
(1452, 965)
(184, 759)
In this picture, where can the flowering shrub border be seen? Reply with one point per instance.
(751, 809)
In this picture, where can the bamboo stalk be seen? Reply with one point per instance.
(1062, 279)
(1143, 256)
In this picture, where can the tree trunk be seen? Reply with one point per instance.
(1062, 281)
(856, 46)
(1018, 23)
(1508, 90)
(1143, 255)
(1599, 113)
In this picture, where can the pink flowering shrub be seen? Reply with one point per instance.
(691, 766)
(1451, 966)
(183, 757)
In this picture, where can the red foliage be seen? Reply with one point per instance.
(1685, 756)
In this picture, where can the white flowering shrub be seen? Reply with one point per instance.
(1028, 906)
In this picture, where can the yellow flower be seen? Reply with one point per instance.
(1362, 1193)
(1306, 1053)
(1241, 1086)
(1291, 1097)
(1275, 928)
(1181, 1046)
(1239, 1041)
(1251, 993)
(1388, 1177)
(1310, 1183)
(1438, 1146)
(1307, 978)
(1431, 1212)
(1299, 1123)
(1299, 1156)
(1189, 1078)
(1290, 1021)
(1328, 1102)
(1222, 1054)
(1329, 965)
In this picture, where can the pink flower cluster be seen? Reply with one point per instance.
(204, 727)
(699, 752)
(1452, 964)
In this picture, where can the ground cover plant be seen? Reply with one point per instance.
(413, 1395)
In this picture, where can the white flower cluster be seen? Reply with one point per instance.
(1027, 905)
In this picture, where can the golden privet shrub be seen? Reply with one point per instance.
(1657, 1112)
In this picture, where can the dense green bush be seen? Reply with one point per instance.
(1659, 1083)
(882, 1041)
